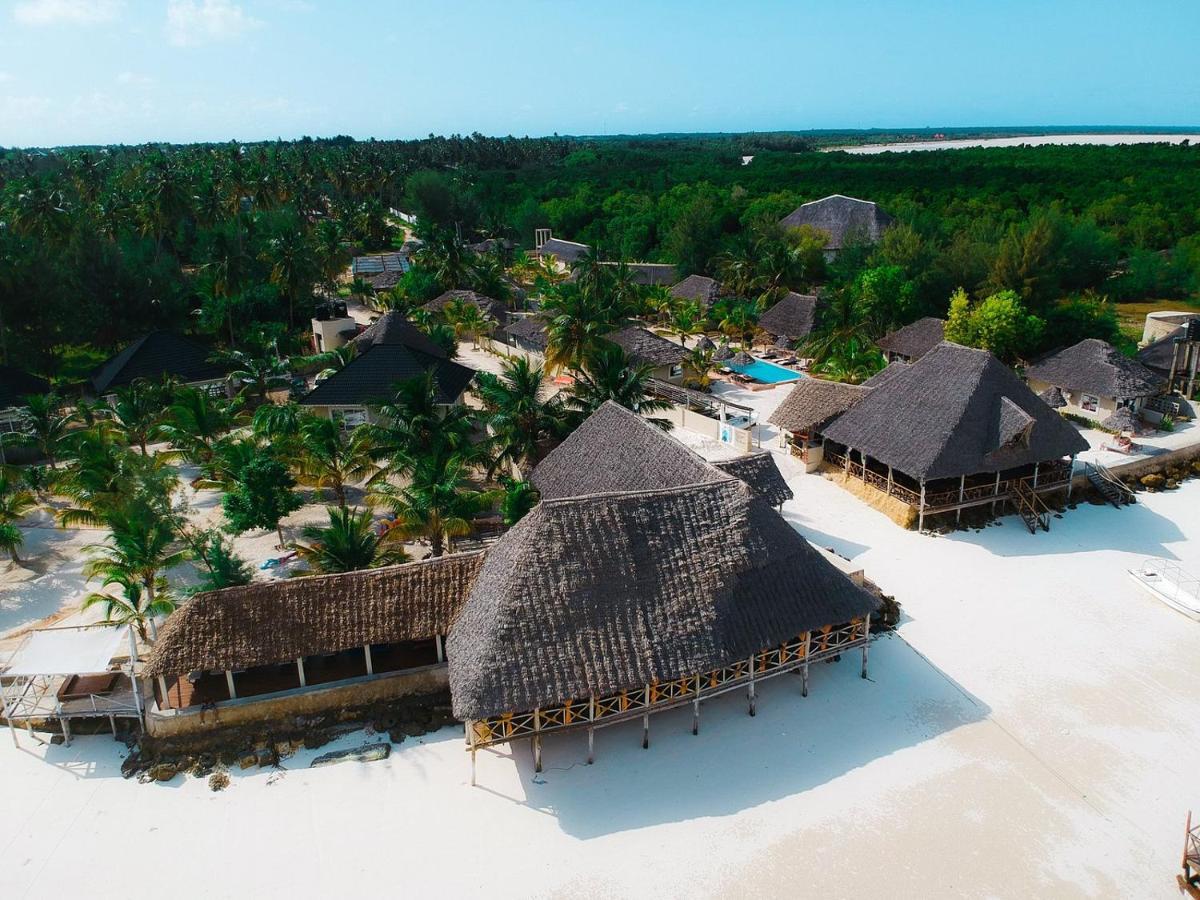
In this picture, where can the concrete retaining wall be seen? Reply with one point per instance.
(274, 708)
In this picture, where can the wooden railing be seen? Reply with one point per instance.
(1032, 509)
(1191, 852)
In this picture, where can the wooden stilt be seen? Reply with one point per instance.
(646, 718)
(439, 647)
(750, 693)
(66, 727)
(537, 753)
(471, 738)
(300, 671)
(591, 729)
(921, 511)
(696, 709)
(1071, 477)
(962, 486)
(112, 723)
(1035, 473)
(367, 658)
(804, 668)
(889, 481)
(229, 684)
(867, 636)
(995, 493)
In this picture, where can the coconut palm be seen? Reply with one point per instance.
(438, 503)
(328, 457)
(46, 426)
(520, 420)
(696, 367)
(576, 324)
(330, 362)
(292, 258)
(223, 468)
(106, 476)
(259, 371)
(610, 375)
(850, 360)
(468, 319)
(132, 605)
(519, 498)
(195, 421)
(413, 424)
(15, 503)
(740, 320)
(136, 411)
(686, 320)
(349, 543)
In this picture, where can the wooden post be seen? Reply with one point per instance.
(1071, 477)
(864, 467)
(229, 684)
(537, 740)
(962, 484)
(995, 493)
(646, 718)
(804, 668)
(889, 481)
(367, 657)
(846, 464)
(112, 723)
(921, 511)
(66, 727)
(696, 709)
(441, 653)
(867, 638)
(162, 689)
(1035, 475)
(591, 728)
(300, 671)
(750, 693)
(471, 738)
(133, 681)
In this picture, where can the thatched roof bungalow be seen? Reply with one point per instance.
(913, 340)
(646, 348)
(527, 333)
(633, 588)
(843, 218)
(792, 317)
(698, 289)
(486, 305)
(811, 405)
(1095, 379)
(957, 428)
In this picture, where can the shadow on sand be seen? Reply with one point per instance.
(792, 745)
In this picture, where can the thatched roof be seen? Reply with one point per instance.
(915, 339)
(813, 403)
(530, 329)
(646, 347)
(650, 273)
(956, 411)
(485, 304)
(1124, 419)
(841, 218)
(371, 377)
(1096, 367)
(392, 329)
(705, 343)
(158, 355)
(565, 252)
(792, 317)
(722, 352)
(1053, 398)
(601, 593)
(16, 385)
(886, 374)
(699, 288)
(266, 623)
(742, 358)
(1157, 354)
(761, 475)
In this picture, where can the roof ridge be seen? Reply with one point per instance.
(635, 493)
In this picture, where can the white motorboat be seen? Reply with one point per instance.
(1169, 583)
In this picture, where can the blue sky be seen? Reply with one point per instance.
(76, 71)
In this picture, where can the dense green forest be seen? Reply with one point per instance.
(99, 245)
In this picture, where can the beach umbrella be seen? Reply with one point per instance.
(1123, 419)
(1053, 397)
(782, 343)
(742, 358)
(705, 343)
(723, 353)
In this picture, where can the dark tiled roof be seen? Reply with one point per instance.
(393, 330)
(493, 308)
(813, 402)
(792, 317)
(600, 592)
(16, 385)
(266, 623)
(155, 356)
(840, 217)
(916, 339)
(697, 287)
(949, 414)
(1097, 368)
(646, 347)
(530, 329)
(371, 377)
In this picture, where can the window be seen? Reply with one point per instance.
(1088, 403)
(676, 371)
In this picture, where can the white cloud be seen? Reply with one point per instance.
(5, 77)
(194, 22)
(66, 12)
(133, 79)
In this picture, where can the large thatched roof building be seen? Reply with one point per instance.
(955, 418)
(842, 218)
(485, 304)
(792, 317)
(1095, 379)
(644, 347)
(627, 577)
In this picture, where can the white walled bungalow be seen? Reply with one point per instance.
(1094, 380)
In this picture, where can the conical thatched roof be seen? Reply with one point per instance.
(705, 343)
(955, 411)
(915, 339)
(783, 342)
(1124, 419)
(1053, 398)
(393, 330)
(842, 218)
(813, 403)
(1096, 367)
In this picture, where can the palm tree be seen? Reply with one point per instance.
(686, 320)
(329, 458)
(293, 269)
(275, 422)
(105, 477)
(15, 503)
(697, 365)
(519, 498)
(195, 421)
(576, 324)
(520, 420)
(223, 468)
(136, 411)
(349, 543)
(132, 606)
(611, 375)
(447, 259)
(45, 426)
(261, 371)
(467, 318)
(438, 503)
(413, 424)
(142, 544)
(331, 361)
(740, 321)
(850, 360)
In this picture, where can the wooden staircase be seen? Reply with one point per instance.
(1108, 485)
(1030, 507)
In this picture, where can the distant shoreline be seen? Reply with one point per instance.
(1099, 139)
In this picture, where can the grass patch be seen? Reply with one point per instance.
(1132, 316)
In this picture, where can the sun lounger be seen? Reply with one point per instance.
(1126, 447)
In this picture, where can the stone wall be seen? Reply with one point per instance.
(273, 708)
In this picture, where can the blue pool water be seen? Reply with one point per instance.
(766, 372)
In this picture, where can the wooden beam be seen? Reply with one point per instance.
(229, 684)
(962, 485)
(367, 658)
(921, 511)
(300, 671)
(750, 692)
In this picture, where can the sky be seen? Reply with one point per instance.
(130, 71)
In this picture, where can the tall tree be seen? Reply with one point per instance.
(349, 543)
(610, 375)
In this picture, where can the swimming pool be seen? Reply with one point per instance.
(769, 373)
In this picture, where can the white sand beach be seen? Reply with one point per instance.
(1035, 140)
(1030, 730)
